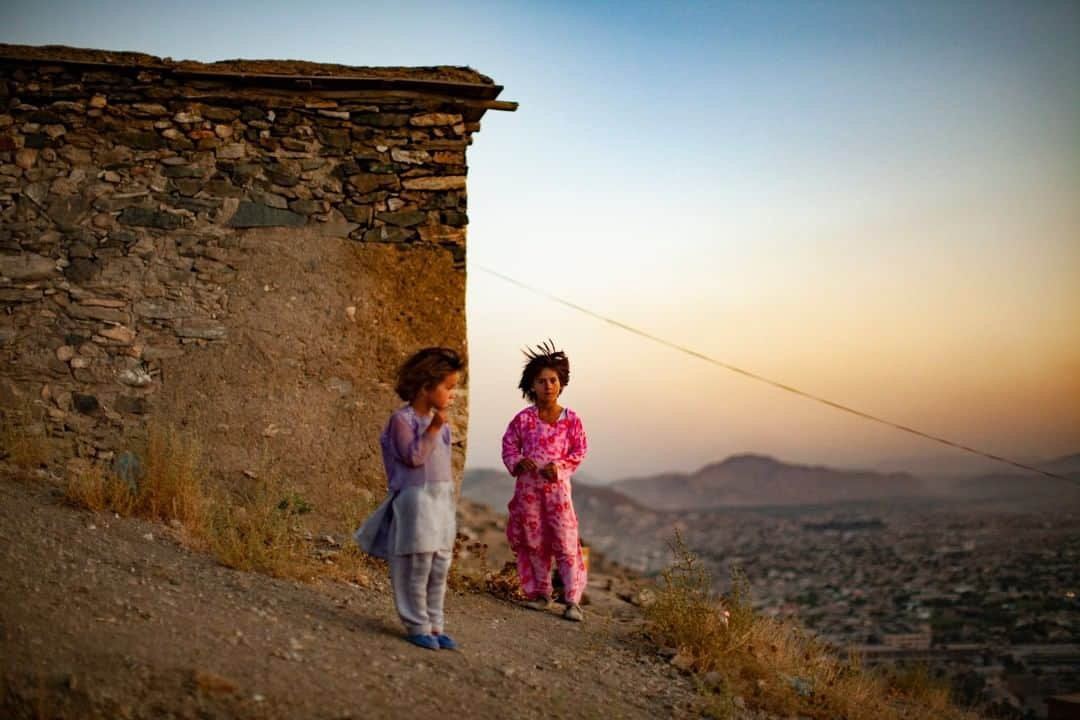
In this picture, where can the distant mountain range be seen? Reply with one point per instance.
(730, 503)
(756, 480)
(748, 481)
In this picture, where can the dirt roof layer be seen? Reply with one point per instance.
(64, 54)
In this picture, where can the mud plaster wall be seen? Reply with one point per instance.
(249, 264)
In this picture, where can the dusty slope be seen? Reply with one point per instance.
(104, 617)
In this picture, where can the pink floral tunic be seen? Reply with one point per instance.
(542, 522)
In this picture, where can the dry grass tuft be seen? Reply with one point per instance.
(502, 583)
(773, 665)
(172, 486)
(168, 487)
(22, 439)
(258, 529)
(99, 489)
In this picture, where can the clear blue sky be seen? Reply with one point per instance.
(878, 202)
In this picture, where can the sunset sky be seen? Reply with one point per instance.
(875, 202)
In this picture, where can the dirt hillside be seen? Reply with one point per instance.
(112, 618)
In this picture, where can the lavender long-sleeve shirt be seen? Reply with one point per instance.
(418, 470)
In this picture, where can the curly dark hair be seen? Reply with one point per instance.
(544, 356)
(425, 369)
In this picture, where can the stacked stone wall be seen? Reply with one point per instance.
(149, 220)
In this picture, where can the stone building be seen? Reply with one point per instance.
(241, 250)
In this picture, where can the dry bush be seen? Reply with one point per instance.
(169, 487)
(19, 443)
(915, 684)
(773, 665)
(503, 583)
(172, 486)
(353, 565)
(99, 489)
(259, 531)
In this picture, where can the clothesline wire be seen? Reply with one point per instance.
(768, 381)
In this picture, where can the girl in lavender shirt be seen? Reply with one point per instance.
(414, 528)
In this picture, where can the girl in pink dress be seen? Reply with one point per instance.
(542, 447)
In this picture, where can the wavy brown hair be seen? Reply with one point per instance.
(544, 356)
(425, 369)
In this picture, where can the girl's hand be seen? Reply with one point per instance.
(440, 418)
(550, 472)
(524, 466)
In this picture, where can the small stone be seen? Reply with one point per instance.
(26, 267)
(336, 114)
(184, 171)
(281, 176)
(151, 109)
(86, 404)
(442, 234)
(309, 207)
(357, 213)
(380, 119)
(131, 405)
(415, 157)
(683, 661)
(140, 140)
(350, 312)
(148, 217)
(26, 158)
(445, 157)
(111, 176)
(119, 333)
(250, 214)
(187, 118)
(389, 234)
(223, 131)
(201, 329)
(435, 182)
(340, 386)
(272, 199)
(98, 101)
(404, 218)
(455, 218)
(135, 377)
(231, 151)
(367, 182)
(434, 119)
(64, 353)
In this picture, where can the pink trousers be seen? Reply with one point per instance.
(541, 526)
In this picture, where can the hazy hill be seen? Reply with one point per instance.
(756, 480)
(745, 481)
(1067, 465)
(494, 488)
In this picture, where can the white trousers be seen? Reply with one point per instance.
(419, 582)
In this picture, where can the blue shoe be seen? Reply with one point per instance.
(446, 642)
(425, 641)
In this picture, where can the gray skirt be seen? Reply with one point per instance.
(415, 519)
